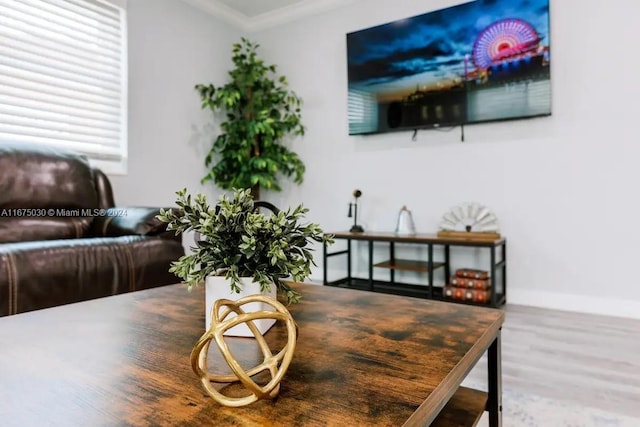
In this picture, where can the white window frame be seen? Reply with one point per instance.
(19, 125)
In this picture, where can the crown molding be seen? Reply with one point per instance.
(269, 19)
(295, 11)
(222, 11)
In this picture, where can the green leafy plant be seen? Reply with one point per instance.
(239, 240)
(260, 112)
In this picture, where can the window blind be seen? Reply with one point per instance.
(63, 75)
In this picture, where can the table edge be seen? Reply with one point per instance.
(431, 407)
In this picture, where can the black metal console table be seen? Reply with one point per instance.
(497, 268)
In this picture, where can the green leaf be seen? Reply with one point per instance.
(257, 115)
(239, 240)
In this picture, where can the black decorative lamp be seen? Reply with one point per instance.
(353, 212)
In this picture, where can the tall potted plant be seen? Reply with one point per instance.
(243, 248)
(259, 113)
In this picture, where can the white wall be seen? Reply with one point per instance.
(563, 187)
(172, 47)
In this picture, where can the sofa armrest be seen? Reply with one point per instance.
(125, 221)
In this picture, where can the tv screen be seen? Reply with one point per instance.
(480, 61)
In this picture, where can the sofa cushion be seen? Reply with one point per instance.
(23, 229)
(34, 179)
(124, 221)
(42, 274)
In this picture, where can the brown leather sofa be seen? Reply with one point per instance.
(63, 240)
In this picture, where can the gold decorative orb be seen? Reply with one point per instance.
(276, 365)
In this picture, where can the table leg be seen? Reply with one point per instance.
(349, 262)
(494, 402)
(492, 278)
(430, 268)
(324, 259)
(447, 265)
(371, 265)
(504, 271)
(392, 257)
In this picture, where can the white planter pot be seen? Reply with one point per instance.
(217, 287)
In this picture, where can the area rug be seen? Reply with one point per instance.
(528, 410)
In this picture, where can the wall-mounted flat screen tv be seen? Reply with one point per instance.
(480, 61)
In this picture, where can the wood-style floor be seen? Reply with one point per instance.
(577, 358)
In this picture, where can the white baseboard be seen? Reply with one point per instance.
(579, 303)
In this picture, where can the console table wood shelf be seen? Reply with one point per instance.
(497, 265)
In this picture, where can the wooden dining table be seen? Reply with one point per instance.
(361, 359)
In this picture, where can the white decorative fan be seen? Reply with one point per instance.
(469, 217)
